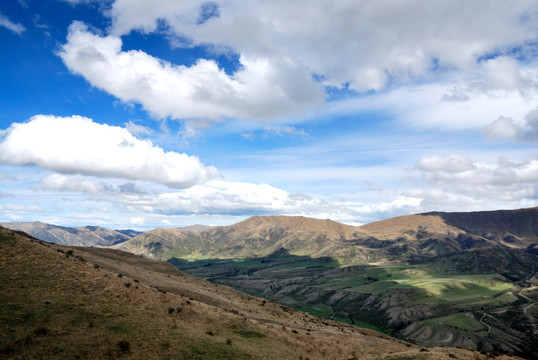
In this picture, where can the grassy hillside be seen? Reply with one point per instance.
(64, 303)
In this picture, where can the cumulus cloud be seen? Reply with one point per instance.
(505, 127)
(503, 72)
(58, 182)
(8, 24)
(259, 90)
(505, 180)
(361, 44)
(77, 145)
(235, 198)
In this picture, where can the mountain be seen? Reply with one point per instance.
(256, 236)
(63, 302)
(79, 236)
(410, 238)
(457, 279)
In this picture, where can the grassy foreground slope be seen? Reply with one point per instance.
(61, 302)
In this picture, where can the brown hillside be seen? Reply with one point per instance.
(407, 226)
(63, 303)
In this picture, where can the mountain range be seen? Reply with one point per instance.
(409, 238)
(79, 236)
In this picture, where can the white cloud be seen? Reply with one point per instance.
(260, 89)
(503, 72)
(235, 198)
(136, 129)
(6, 177)
(4, 194)
(20, 208)
(504, 181)
(57, 182)
(137, 220)
(466, 101)
(77, 145)
(360, 43)
(505, 127)
(8, 24)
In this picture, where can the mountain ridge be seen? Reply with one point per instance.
(77, 236)
(428, 234)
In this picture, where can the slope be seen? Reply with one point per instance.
(60, 302)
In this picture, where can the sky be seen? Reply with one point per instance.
(163, 113)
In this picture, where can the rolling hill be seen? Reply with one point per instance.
(62, 302)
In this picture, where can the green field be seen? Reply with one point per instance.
(463, 321)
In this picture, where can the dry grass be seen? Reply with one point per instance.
(56, 303)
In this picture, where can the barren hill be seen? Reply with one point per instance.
(410, 237)
(61, 302)
(81, 236)
(257, 236)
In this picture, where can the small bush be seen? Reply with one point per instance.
(96, 266)
(127, 284)
(229, 341)
(41, 331)
(171, 310)
(7, 348)
(69, 253)
(210, 333)
(120, 275)
(124, 346)
(179, 310)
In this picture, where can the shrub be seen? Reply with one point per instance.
(210, 333)
(127, 284)
(96, 266)
(171, 310)
(124, 346)
(41, 331)
(229, 341)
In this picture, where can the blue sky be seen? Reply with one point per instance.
(141, 114)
